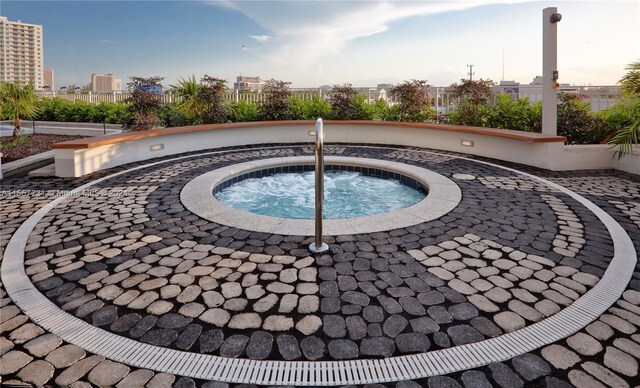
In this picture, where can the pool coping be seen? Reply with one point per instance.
(443, 196)
(308, 373)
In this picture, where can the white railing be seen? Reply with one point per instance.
(441, 98)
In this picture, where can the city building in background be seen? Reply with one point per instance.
(105, 83)
(248, 83)
(48, 80)
(21, 53)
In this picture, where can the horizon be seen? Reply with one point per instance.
(310, 44)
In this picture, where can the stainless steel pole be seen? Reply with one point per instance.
(318, 246)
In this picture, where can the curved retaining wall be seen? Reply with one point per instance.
(79, 157)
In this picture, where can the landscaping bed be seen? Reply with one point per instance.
(27, 145)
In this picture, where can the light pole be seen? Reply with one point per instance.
(550, 19)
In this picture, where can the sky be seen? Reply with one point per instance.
(314, 43)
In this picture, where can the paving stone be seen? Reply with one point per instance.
(483, 304)
(136, 379)
(42, 345)
(65, 356)
(188, 337)
(475, 379)
(160, 337)
(357, 327)
(620, 362)
(443, 382)
(463, 311)
(234, 346)
(37, 373)
(309, 324)
(108, 373)
(210, 340)
(313, 348)
(13, 361)
(439, 314)
(357, 298)
(380, 346)
(142, 326)
(530, 366)
(464, 334)
(6, 345)
(412, 306)
(217, 317)
(509, 321)
(559, 356)
(581, 379)
(486, 327)
(259, 346)
(584, 344)
(173, 321)
(288, 347)
(334, 326)
(630, 347)
(424, 325)
(394, 325)
(504, 376)
(603, 374)
(161, 380)
(343, 349)
(25, 333)
(125, 322)
(412, 343)
(77, 370)
(278, 323)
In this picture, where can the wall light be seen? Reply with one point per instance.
(466, 143)
(156, 147)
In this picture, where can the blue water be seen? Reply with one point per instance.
(291, 195)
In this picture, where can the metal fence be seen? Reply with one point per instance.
(441, 98)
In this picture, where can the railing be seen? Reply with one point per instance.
(441, 98)
(318, 246)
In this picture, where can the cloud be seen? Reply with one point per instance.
(261, 38)
(303, 31)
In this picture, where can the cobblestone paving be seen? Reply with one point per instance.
(512, 253)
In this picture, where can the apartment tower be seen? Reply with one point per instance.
(105, 83)
(21, 53)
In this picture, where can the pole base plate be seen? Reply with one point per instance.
(321, 249)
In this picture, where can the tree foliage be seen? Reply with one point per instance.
(345, 104)
(187, 90)
(210, 94)
(412, 101)
(476, 92)
(576, 121)
(276, 103)
(143, 104)
(18, 102)
(630, 82)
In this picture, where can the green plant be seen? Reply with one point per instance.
(311, 109)
(576, 121)
(210, 95)
(471, 113)
(515, 114)
(412, 101)
(172, 115)
(276, 103)
(17, 102)
(345, 104)
(243, 111)
(630, 82)
(188, 89)
(623, 120)
(143, 104)
(477, 92)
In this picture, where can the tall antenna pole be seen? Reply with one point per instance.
(471, 73)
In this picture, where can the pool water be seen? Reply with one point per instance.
(291, 195)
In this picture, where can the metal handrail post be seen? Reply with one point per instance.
(318, 246)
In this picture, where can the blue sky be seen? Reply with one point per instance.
(329, 42)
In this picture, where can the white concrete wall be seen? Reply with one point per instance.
(554, 156)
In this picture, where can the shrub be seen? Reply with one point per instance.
(576, 121)
(311, 109)
(471, 113)
(242, 111)
(515, 114)
(622, 120)
(210, 95)
(276, 103)
(477, 92)
(345, 104)
(143, 104)
(174, 115)
(412, 101)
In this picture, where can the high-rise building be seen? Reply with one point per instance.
(21, 53)
(248, 83)
(48, 80)
(105, 83)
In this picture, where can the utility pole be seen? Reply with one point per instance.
(471, 73)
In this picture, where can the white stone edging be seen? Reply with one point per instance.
(443, 196)
(305, 373)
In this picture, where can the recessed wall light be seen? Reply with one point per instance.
(156, 147)
(466, 143)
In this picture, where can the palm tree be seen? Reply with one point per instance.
(630, 83)
(17, 102)
(188, 89)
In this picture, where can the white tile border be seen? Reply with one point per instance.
(98, 341)
(444, 195)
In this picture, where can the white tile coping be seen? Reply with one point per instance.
(305, 373)
(443, 196)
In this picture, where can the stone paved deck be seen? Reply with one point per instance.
(130, 259)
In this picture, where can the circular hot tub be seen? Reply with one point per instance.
(349, 191)
(361, 195)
